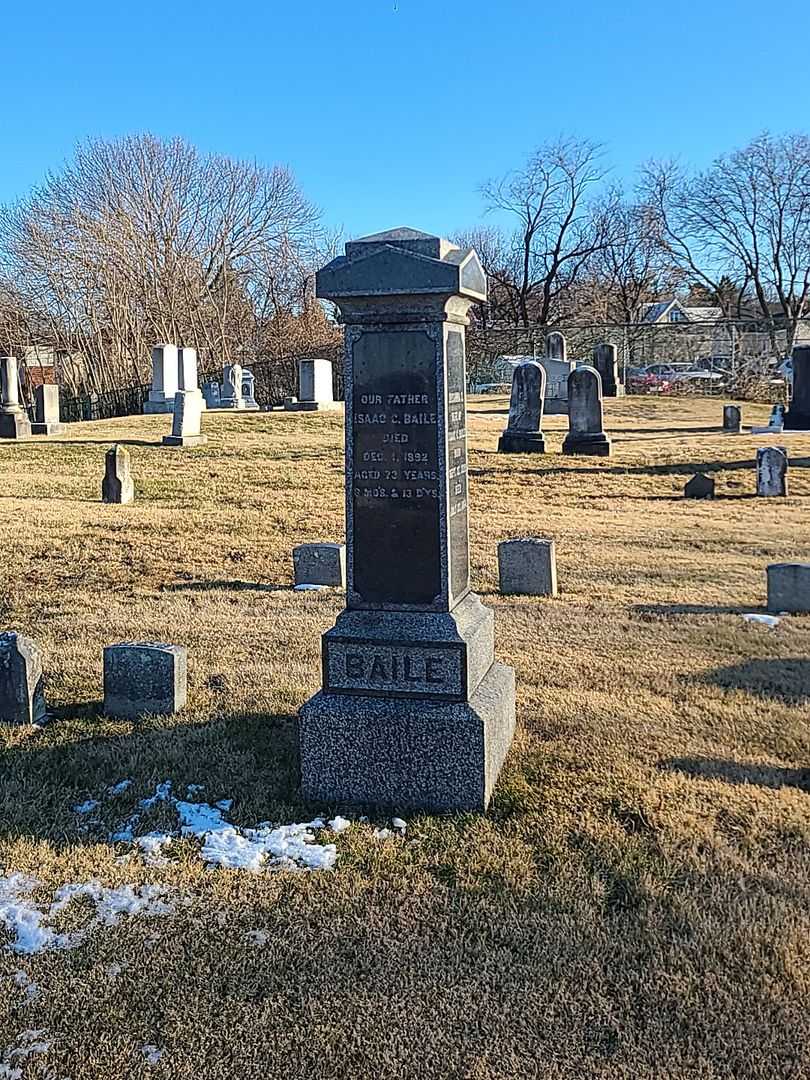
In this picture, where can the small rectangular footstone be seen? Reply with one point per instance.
(789, 587)
(144, 677)
(527, 567)
(22, 697)
(320, 564)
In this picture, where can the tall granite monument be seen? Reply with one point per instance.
(414, 713)
(164, 379)
(606, 362)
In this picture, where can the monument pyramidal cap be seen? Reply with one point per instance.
(414, 712)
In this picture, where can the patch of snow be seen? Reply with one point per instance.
(771, 621)
(252, 849)
(163, 793)
(7, 1073)
(339, 824)
(224, 805)
(258, 937)
(22, 980)
(152, 1054)
(119, 788)
(198, 819)
(398, 823)
(28, 923)
(113, 971)
(309, 588)
(194, 789)
(86, 807)
(382, 834)
(152, 845)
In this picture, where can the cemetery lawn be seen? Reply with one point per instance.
(636, 904)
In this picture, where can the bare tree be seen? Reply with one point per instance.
(560, 225)
(747, 218)
(142, 240)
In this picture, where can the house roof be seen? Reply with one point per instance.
(654, 313)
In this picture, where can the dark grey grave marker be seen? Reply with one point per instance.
(413, 712)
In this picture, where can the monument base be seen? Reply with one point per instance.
(408, 754)
(312, 406)
(521, 442)
(48, 429)
(153, 408)
(737, 430)
(15, 425)
(594, 445)
(185, 440)
(613, 391)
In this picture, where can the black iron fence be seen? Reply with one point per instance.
(276, 379)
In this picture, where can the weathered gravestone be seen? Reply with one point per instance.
(732, 419)
(22, 697)
(165, 376)
(797, 417)
(91, 406)
(523, 434)
(47, 420)
(772, 464)
(187, 420)
(211, 394)
(527, 567)
(249, 390)
(788, 587)
(775, 424)
(230, 395)
(117, 485)
(314, 387)
(14, 424)
(699, 487)
(144, 677)
(556, 347)
(606, 362)
(585, 434)
(320, 564)
(557, 367)
(413, 711)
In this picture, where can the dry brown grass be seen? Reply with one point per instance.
(634, 905)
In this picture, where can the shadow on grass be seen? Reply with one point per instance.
(225, 586)
(674, 468)
(250, 758)
(648, 611)
(732, 772)
(784, 679)
(112, 441)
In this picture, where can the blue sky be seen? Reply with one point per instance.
(393, 111)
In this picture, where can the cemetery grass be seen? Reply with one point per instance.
(635, 903)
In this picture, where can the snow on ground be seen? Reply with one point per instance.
(25, 1045)
(152, 1054)
(28, 922)
(771, 621)
(31, 989)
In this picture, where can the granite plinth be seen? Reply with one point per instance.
(14, 425)
(430, 655)
(312, 406)
(185, 440)
(595, 445)
(408, 755)
(48, 429)
(521, 442)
